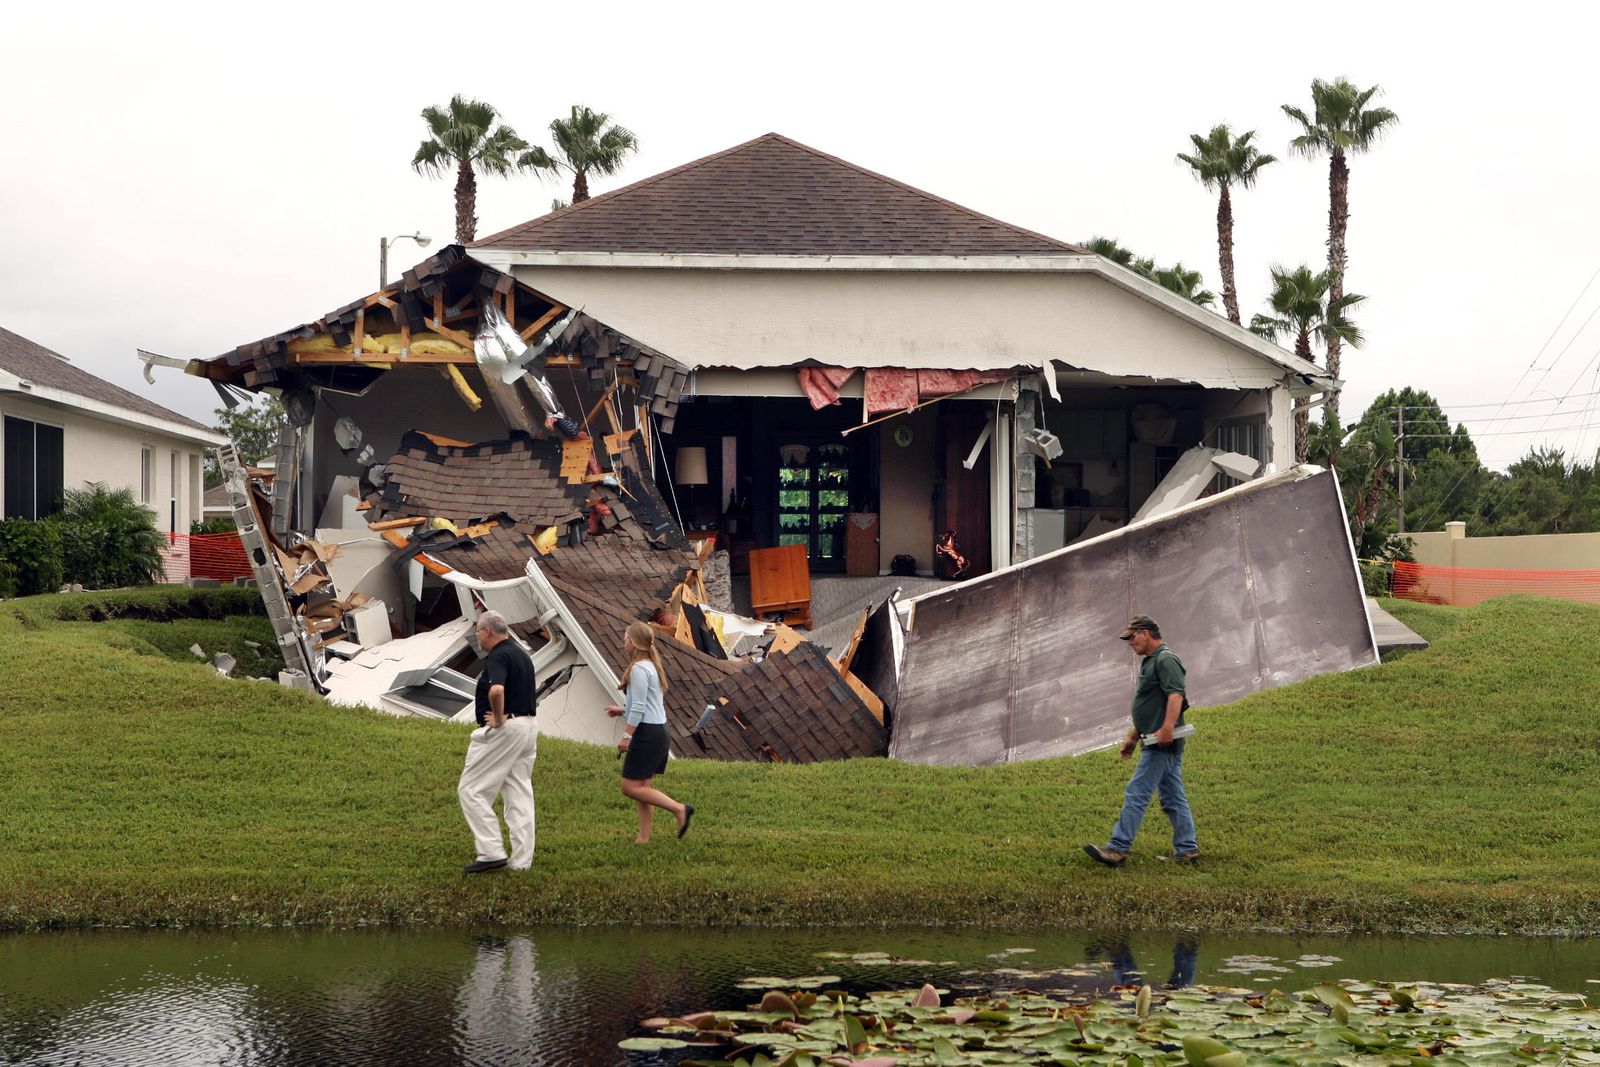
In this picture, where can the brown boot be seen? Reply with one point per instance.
(1108, 856)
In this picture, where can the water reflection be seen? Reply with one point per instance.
(1125, 970)
(547, 997)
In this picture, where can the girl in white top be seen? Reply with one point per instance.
(644, 732)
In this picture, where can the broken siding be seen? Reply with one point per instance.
(1254, 588)
(924, 319)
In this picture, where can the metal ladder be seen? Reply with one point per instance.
(301, 657)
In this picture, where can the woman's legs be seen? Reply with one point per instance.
(645, 796)
(646, 814)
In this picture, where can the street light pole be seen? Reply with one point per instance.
(1400, 446)
(383, 253)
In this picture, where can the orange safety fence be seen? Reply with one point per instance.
(217, 556)
(1465, 586)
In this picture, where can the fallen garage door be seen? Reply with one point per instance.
(1255, 587)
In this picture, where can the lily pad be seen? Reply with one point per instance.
(650, 1044)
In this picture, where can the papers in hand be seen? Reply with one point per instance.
(1182, 731)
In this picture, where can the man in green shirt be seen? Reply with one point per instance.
(1159, 701)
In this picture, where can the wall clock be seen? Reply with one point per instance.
(903, 436)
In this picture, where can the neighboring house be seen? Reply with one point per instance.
(772, 299)
(216, 504)
(65, 427)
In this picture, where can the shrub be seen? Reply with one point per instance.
(212, 526)
(1375, 578)
(32, 554)
(109, 540)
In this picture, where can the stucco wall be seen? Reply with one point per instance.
(931, 319)
(98, 451)
(1540, 552)
(905, 494)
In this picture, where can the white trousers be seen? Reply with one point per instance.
(500, 764)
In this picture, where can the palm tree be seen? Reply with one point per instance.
(586, 142)
(1222, 161)
(1304, 308)
(1176, 278)
(1186, 283)
(465, 137)
(1340, 123)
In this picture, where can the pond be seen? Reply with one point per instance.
(566, 996)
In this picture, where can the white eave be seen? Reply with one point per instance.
(16, 386)
(1311, 375)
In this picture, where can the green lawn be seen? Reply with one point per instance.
(1450, 790)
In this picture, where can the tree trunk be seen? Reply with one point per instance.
(1338, 219)
(466, 203)
(580, 186)
(1230, 295)
(1302, 417)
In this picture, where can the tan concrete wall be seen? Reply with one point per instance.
(1537, 552)
(969, 319)
(97, 451)
(905, 492)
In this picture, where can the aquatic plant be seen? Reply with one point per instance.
(1501, 1021)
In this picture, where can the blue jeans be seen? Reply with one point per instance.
(1163, 771)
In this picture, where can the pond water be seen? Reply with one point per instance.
(566, 996)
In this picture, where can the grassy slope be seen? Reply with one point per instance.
(1452, 789)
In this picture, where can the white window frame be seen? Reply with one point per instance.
(147, 474)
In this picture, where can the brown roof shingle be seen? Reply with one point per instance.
(774, 196)
(36, 363)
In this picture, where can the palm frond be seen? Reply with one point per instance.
(587, 140)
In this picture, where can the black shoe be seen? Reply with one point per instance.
(479, 866)
(688, 813)
(1109, 857)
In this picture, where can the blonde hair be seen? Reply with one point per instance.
(642, 636)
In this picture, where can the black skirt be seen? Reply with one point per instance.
(647, 752)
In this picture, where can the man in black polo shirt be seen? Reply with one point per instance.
(1159, 700)
(501, 754)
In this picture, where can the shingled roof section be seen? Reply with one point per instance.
(795, 707)
(774, 196)
(35, 363)
(519, 477)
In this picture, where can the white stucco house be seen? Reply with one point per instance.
(64, 427)
(863, 366)
(772, 256)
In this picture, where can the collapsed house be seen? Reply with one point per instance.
(769, 359)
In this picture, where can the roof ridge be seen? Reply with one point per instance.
(26, 347)
(934, 197)
(681, 168)
(770, 137)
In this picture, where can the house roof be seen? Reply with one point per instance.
(35, 363)
(774, 196)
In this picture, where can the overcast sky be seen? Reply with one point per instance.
(189, 178)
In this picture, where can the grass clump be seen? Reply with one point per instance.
(1449, 790)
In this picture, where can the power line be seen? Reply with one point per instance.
(1493, 404)
(1575, 301)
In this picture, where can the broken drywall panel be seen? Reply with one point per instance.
(1255, 587)
(1190, 476)
(344, 499)
(364, 678)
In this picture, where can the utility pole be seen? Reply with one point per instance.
(1400, 446)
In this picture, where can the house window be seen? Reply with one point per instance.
(34, 469)
(1247, 436)
(173, 524)
(147, 474)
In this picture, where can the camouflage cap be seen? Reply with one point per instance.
(1139, 622)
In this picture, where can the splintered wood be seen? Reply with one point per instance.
(575, 456)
